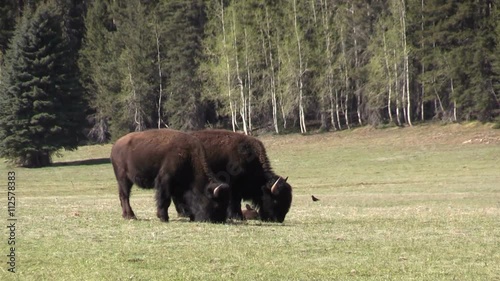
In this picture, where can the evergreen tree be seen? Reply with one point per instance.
(478, 97)
(184, 22)
(8, 18)
(40, 92)
(98, 68)
(133, 44)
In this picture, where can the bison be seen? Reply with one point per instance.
(174, 164)
(241, 161)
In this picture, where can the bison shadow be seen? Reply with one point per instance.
(96, 161)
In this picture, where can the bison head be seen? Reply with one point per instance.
(211, 205)
(219, 194)
(276, 200)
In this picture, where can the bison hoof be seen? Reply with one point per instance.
(162, 215)
(129, 217)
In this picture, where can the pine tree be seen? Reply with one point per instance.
(134, 47)
(40, 92)
(98, 68)
(184, 22)
(8, 18)
(479, 94)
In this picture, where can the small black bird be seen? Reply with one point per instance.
(314, 198)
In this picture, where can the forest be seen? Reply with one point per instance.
(79, 71)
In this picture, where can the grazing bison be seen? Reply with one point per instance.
(241, 161)
(174, 164)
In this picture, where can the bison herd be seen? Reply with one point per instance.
(206, 174)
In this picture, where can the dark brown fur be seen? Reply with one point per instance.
(174, 164)
(242, 162)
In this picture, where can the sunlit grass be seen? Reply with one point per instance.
(395, 204)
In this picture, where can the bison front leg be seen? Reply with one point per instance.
(124, 188)
(163, 197)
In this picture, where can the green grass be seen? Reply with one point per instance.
(417, 203)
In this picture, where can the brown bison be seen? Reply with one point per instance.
(174, 164)
(241, 161)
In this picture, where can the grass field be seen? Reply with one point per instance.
(418, 203)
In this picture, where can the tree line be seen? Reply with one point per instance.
(294, 65)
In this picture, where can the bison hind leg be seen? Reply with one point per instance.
(124, 189)
(163, 197)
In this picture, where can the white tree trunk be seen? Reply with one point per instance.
(302, 122)
(228, 69)
(346, 79)
(238, 77)
(273, 76)
(135, 104)
(406, 62)
(325, 16)
(249, 82)
(454, 101)
(160, 75)
(278, 82)
(389, 83)
(396, 89)
(356, 65)
(337, 109)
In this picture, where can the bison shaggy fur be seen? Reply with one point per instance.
(241, 161)
(174, 164)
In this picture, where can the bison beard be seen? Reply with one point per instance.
(174, 164)
(241, 161)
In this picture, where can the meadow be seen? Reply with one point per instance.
(419, 203)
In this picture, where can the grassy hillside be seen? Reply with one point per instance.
(418, 203)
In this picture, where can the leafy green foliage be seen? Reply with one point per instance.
(237, 64)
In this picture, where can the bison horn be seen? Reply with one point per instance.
(286, 179)
(274, 189)
(216, 190)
